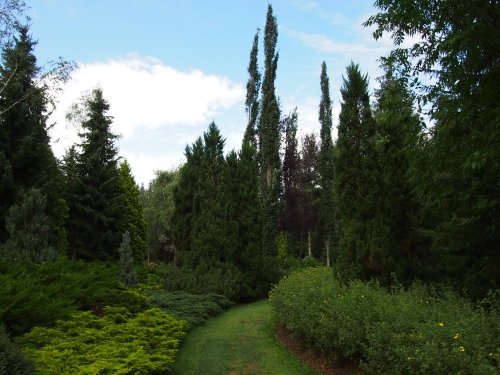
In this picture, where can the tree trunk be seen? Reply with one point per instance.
(309, 252)
(327, 245)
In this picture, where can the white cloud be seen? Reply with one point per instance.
(147, 96)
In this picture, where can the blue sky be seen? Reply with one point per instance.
(168, 68)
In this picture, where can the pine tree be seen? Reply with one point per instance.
(252, 100)
(26, 159)
(136, 225)
(356, 185)
(269, 138)
(98, 213)
(326, 166)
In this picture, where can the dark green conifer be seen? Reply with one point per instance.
(136, 225)
(356, 184)
(98, 213)
(269, 138)
(252, 100)
(326, 166)
(26, 159)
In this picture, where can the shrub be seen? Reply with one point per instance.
(193, 308)
(128, 276)
(117, 342)
(39, 294)
(12, 362)
(390, 332)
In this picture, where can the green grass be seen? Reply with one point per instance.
(239, 341)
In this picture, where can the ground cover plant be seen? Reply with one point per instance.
(409, 331)
(119, 342)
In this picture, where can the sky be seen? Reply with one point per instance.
(169, 68)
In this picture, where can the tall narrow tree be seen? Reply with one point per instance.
(252, 100)
(98, 218)
(355, 179)
(26, 159)
(136, 224)
(269, 137)
(326, 166)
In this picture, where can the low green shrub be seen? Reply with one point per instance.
(116, 343)
(389, 332)
(39, 294)
(12, 361)
(193, 308)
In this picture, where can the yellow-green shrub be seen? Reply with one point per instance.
(116, 343)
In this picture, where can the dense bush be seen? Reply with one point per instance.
(390, 332)
(12, 362)
(116, 343)
(39, 294)
(193, 308)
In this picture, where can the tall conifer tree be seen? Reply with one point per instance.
(326, 165)
(98, 216)
(356, 185)
(252, 100)
(26, 159)
(269, 137)
(136, 224)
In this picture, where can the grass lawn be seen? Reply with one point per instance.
(239, 341)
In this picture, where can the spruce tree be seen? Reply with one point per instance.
(269, 138)
(26, 159)
(128, 276)
(97, 214)
(252, 99)
(356, 185)
(326, 166)
(136, 225)
(397, 136)
(184, 194)
(210, 240)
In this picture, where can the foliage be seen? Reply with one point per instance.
(158, 202)
(252, 99)
(193, 308)
(97, 207)
(29, 229)
(456, 176)
(12, 361)
(118, 342)
(128, 276)
(39, 294)
(26, 159)
(356, 182)
(326, 167)
(136, 225)
(269, 138)
(282, 245)
(410, 331)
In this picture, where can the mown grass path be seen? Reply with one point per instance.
(239, 341)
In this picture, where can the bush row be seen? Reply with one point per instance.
(410, 331)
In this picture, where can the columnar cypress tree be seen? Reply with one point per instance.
(356, 185)
(98, 217)
(252, 100)
(136, 225)
(269, 137)
(326, 165)
(397, 135)
(26, 159)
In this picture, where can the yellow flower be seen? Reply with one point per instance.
(461, 349)
(456, 336)
(440, 324)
